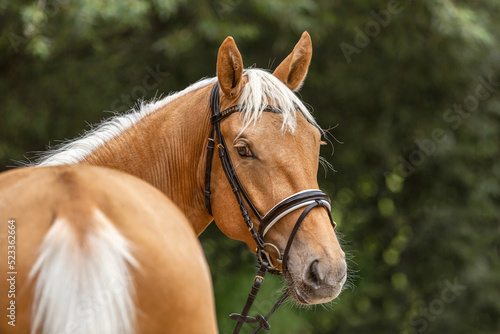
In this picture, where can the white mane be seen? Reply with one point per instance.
(262, 89)
(75, 151)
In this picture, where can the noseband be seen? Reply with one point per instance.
(307, 198)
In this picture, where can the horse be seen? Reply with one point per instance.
(125, 202)
(99, 251)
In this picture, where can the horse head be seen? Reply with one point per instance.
(273, 143)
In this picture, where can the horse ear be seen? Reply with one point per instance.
(229, 68)
(292, 71)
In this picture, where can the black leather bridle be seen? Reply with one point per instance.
(307, 198)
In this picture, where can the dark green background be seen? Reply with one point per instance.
(412, 228)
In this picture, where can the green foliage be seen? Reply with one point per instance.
(417, 192)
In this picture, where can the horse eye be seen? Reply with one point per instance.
(244, 151)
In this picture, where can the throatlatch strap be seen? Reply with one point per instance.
(208, 171)
(215, 108)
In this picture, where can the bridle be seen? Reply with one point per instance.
(309, 199)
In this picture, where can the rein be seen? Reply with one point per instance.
(310, 199)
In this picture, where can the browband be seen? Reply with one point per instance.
(239, 107)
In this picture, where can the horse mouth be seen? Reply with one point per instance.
(296, 294)
(296, 291)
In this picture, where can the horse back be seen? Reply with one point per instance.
(97, 250)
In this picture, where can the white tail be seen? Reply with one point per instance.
(83, 283)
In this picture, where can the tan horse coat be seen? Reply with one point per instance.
(172, 280)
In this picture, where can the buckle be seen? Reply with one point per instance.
(268, 257)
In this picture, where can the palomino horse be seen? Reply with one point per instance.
(86, 224)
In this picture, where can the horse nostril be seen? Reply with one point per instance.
(312, 277)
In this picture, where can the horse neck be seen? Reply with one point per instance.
(167, 148)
